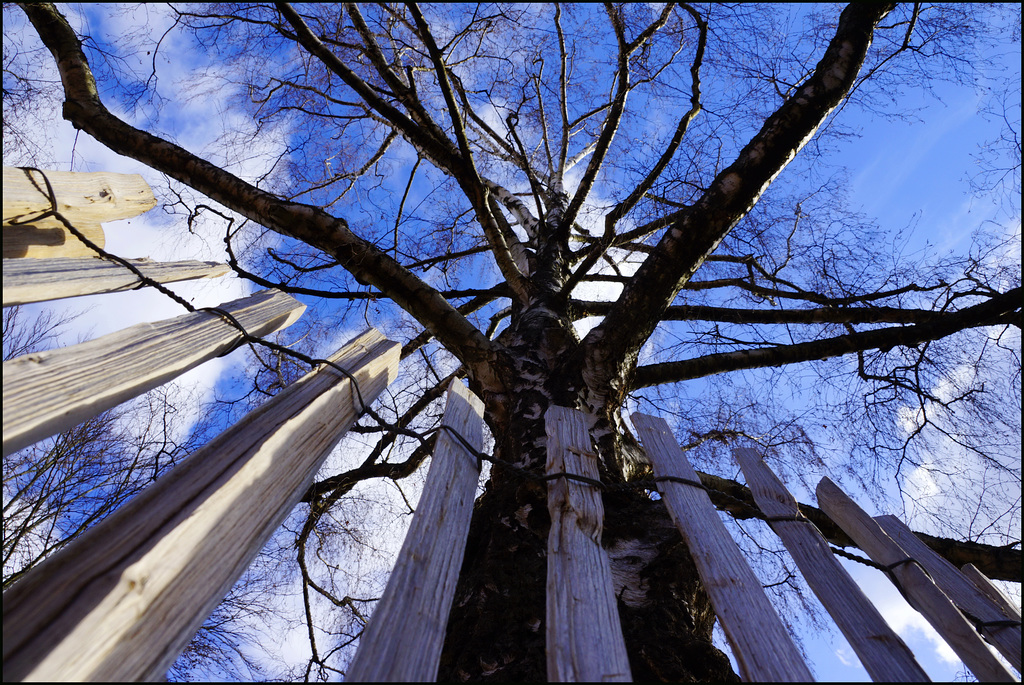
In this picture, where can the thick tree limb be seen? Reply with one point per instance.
(478, 302)
(774, 293)
(563, 141)
(311, 225)
(610, 348)
(1002, 309)
(858, 315)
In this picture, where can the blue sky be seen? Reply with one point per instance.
(901, 173)
(915, 173)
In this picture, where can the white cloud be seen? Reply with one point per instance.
(909, 623)
(847, 657)
(919, 483)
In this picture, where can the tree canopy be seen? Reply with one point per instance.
(602, 207)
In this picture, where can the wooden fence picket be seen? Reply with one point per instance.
(403, 640)
(584, 633)
(916, 586)
(964, 593)
(84, 199)
(90, 196)
(883, 654)
(50, 240)
(992, 591)
(120, 602)
(40, 280)
(47, 392)
(761, 644)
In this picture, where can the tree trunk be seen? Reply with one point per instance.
(496, 629)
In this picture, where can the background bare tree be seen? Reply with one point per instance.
(477, 180)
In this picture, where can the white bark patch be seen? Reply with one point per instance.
(533, 414)
(628, 559)
(516, 206)
(836, 74)
(522, 513)
(730, 183)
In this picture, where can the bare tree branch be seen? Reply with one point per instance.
(699, 229)
(1001, 310)
(303, 222)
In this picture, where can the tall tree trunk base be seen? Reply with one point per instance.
(496, 629)
(667, 618)
(496, 625)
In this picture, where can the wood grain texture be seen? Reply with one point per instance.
(964, 593)
(584, 634)
(883, 654)
(47, 392)
(40, 280)
(763, 648)
(90, 197)
(919, 590)
(120, 602)
(992, 591)
(48, 239)
(403, 640)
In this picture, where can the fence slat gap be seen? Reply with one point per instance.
(760, 642)
(41, 280)
(881, 651)
(121, 602)
(920, 591)
(48, 392)
(584, 633)
(403, 640)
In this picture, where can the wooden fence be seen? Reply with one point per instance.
(584, 636)
(121, 601)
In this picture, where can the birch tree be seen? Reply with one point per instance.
(486, 178)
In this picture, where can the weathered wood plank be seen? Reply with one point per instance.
(49, 239)
(883, 654)
(86, 197)
(120, 602)
(403, 640)
(963, 593)
(992, 591)
(584, 633)
(763, 648)
(920, 591)
(47, 392)
(40, 280)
